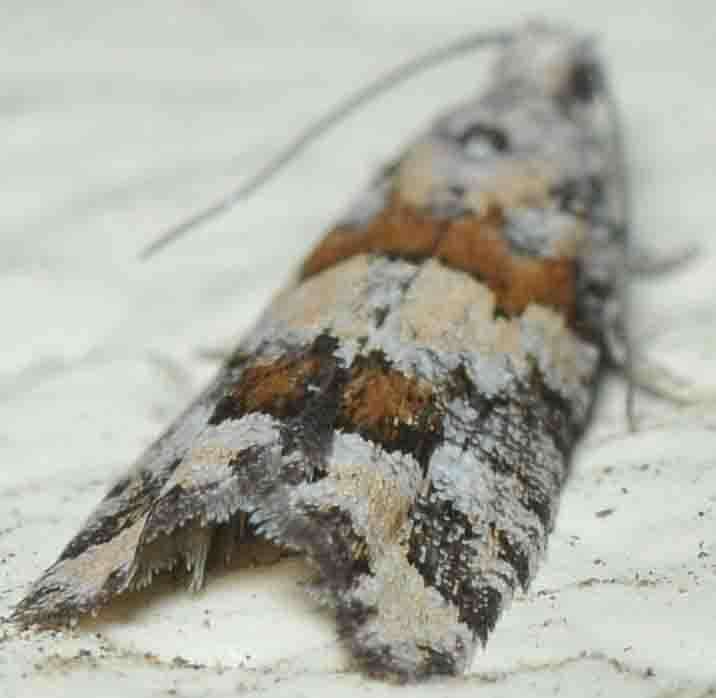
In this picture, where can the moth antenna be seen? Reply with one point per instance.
(625, 216)
(333, 116)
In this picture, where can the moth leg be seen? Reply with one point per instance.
(655, 378)
(645, 262)
(618, 343)
(640, 371)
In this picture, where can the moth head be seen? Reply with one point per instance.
(555, 62)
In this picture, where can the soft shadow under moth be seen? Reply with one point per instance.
(404, 414)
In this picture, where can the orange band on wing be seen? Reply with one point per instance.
(471, 243)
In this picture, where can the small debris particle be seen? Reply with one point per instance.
(181, 663)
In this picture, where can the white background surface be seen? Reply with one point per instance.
(117, 119)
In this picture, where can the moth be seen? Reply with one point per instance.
(404, 414)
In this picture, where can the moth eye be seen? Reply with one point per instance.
(579, 195)
(599, 288)
(585, 81)
(480, 140)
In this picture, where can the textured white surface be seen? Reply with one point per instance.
(118, 119)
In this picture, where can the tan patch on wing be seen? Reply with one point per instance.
(91, 570)
(386, 503)
(415, 178)
(408, 611)
(443, 310)
(471, 243)
(511, 184)
(515, 185)
(450, 311)
(318, 302)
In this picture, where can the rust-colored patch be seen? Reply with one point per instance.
(471, 243)
(382, 399)
(390, 408)
(280, 386)
(274, 387)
